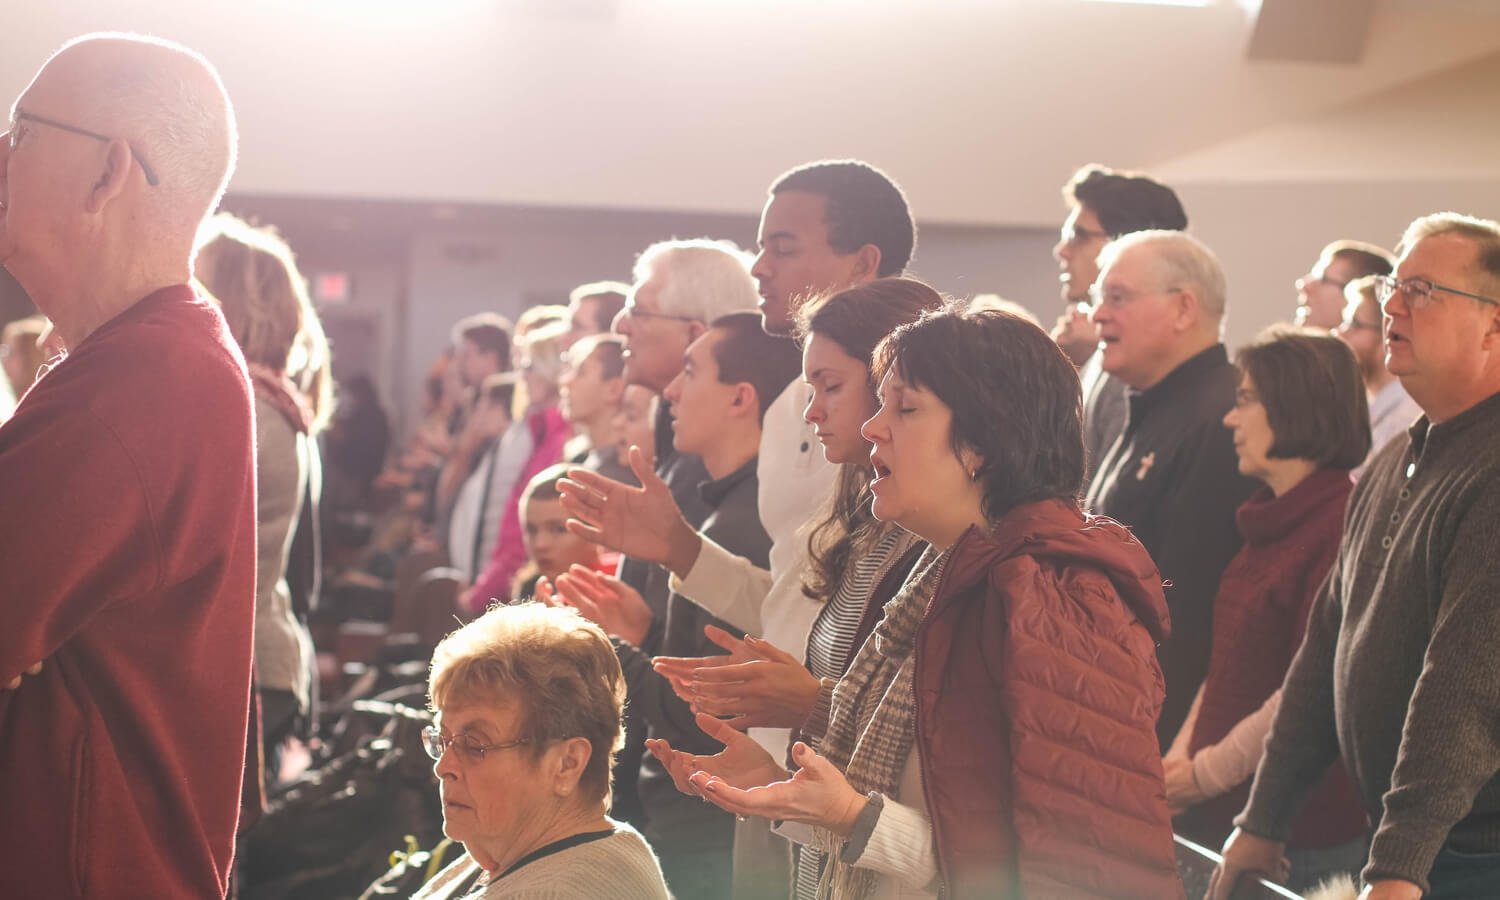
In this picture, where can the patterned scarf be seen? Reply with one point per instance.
(871, 728)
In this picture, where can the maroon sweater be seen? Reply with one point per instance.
(1260, 616)
(127, 564)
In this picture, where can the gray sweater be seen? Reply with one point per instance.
(283, 460)
(1400, 669)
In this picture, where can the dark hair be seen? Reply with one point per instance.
(490, 332)
(863, 206)
(857, 319)
(610, 294)
(608, 348)
(1015, 399)
(1315, 401)
(1125, 202)
(746, 354)
(1367, 259)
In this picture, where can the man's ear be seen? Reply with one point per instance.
(746, 401)
(866, 264)
(1187, 311)
(117, 167)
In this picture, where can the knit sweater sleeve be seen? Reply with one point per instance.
(1449, 745)
(1304, 741)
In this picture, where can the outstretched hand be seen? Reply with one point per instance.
(742, 763)
(641, 522)
(603, 599)
(756, 684)
(818, 794)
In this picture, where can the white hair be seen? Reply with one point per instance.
(701, 279)
(1181, 261)
(171, 104)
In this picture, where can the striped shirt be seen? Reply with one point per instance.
(829, 651)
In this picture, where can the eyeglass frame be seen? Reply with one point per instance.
(1075, 236)
(1320, 279)
(22, 115)
(1386, 287)
(636, 312)
(470, 749)
(1097, 298)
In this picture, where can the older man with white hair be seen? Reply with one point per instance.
(127, 528)
(1172, 474)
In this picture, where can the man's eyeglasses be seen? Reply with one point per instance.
(1075, 235)
(1244, 398)
(468, 748)
(1310, 278)
(1417, 292)
(17, 131)
(635, 312)
(1116, 298)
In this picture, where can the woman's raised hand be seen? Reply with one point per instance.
(742, 762)
(818, 794)
(756, 685)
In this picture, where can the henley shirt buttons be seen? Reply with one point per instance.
(1385, 542)
(1395, 517)
(1406, 493)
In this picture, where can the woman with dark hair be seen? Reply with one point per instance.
(856, 560)
(1301, 423)
(995, 736)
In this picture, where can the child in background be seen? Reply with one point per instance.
(551, 549)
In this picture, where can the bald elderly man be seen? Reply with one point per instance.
(127, 491)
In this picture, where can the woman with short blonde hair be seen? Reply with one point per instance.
(528, 701)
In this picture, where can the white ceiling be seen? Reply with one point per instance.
(981, 109)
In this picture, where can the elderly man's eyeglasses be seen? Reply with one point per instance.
(468, 748)
(1417, 292)
(18, 131)
(635, 312)
(1118, 298)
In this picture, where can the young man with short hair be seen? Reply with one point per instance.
(1103, 204)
